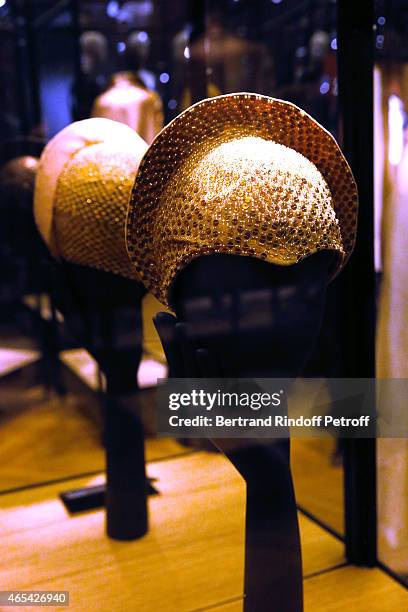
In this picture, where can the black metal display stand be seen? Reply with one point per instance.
(355, 75)
(92, 301)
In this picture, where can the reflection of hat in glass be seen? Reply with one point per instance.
(82, 190)
(241, 174)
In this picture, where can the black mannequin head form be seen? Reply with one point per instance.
(250, 317)
(103, 312)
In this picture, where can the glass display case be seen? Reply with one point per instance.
(59, 58)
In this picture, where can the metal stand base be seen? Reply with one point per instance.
(273, 560)
(92, 498)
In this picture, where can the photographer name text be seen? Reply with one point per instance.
(269, 421)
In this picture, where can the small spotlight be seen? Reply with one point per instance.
(142, 37)
(324, 87)
(187, 53)
(379, 41)
(121, 46)
(172, 104)
(112, 8)
(164, 77)
(381, 21)
(333, 44)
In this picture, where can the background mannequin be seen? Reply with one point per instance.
(137, 52)
(128, 100)
(94, 59)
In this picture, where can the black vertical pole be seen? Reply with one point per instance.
(76, 30)
(34, 77)
(24, 94)
(197, 77)
(273, 559)
(126, 488)
(355, 77)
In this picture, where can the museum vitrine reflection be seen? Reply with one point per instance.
(391, 171)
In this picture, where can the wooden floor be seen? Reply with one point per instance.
(56, 438)
(191, 559)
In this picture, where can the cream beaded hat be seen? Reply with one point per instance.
(82, 190)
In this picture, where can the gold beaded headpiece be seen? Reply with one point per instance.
(240, 174)
(82, 192)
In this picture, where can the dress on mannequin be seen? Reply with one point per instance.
(127, 100)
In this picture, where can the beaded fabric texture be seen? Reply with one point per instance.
(239, 174)
(91, 200)
(60, 149)
(82, 192)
